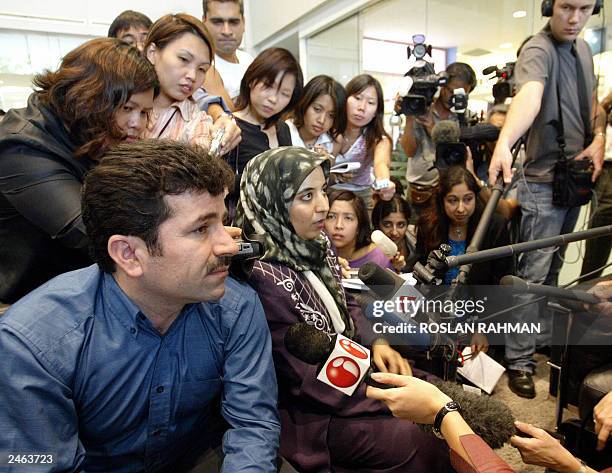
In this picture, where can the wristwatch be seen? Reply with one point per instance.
(451, 406)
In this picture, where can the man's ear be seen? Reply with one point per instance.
(151, 53)
(129, 254)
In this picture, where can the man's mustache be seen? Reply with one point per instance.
(220, 262)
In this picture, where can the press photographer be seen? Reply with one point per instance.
(417, 138)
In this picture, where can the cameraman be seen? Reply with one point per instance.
(546, 75)
(416, 140)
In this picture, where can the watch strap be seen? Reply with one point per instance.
(451, 406)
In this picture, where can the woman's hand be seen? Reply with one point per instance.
(388, 360)
(322, 151)
(479, 343)
(345, 176)
(388, 192)
(398, 262)
(231, 136)
(543, 450)
(602, 416)
(345, 267)
(413, 399)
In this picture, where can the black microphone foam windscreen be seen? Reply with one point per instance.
(479, 133)
(308, 344)
(446, 131)
(489, 418)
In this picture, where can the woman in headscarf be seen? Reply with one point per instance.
(283, 197)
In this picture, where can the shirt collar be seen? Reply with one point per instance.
(119, 304)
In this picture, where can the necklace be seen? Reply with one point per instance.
(457, 232)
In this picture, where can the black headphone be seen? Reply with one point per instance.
(547, 7)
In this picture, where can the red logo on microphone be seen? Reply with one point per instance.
(353, 348)
(342, 372)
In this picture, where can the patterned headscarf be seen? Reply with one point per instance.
(270, 182)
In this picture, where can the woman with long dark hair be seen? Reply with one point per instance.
(319, 118)
(365, 141)
(392, 218)
(270, 87)
(452, 218)
(348, 226)
(101, 94)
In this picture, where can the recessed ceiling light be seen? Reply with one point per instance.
(505, 45)
(519, 14)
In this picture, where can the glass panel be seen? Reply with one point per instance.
(335, 51)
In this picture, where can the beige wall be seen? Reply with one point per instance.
(267, 17)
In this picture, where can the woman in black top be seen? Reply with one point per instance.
(101, 95)
(271, 86)
(452, 218)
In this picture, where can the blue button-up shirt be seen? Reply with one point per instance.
(86, 377)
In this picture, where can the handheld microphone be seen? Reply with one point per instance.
(491, 419)
(346, 362)
(385, 243)
(520, 285)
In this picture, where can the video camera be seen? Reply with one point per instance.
(420, 82)
(504, 87)
(452, 141)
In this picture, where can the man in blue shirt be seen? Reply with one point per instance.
(117, 367)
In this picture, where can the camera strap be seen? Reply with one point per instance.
(583, 102)
(583, 98)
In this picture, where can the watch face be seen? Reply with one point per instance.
(453, 406)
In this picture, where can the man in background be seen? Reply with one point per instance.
(225, 21)
(416, 141)
(131, 27)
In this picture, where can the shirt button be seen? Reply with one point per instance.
(132, 330)
(160, 389)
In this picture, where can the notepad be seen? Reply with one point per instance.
(482, 370)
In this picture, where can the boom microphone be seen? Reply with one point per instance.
(520, 285)
(518, 248)
(479, 133)
(489, 418)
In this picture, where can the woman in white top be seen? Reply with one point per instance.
(319, 118)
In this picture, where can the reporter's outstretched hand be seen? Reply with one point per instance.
(543, 450)
(413, 399)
